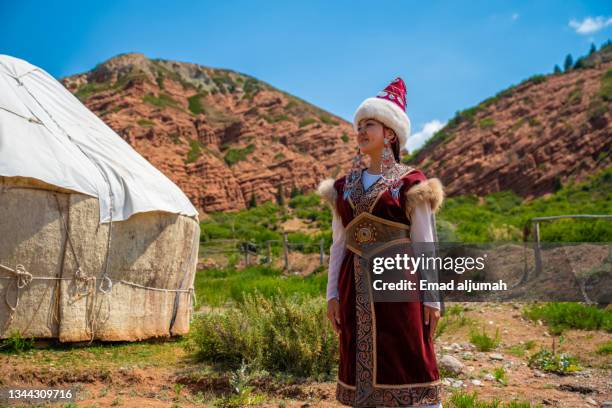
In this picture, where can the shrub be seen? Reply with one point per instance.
(328, 120)
(233, 156)
(605, 91)
(162, 100)
(486, 123)
(195, 104)
(285, 334)
(344, 137)
(570, 315)
(559, 363)
(145, 122)
(482, 341)
(306, 122)
(194, 151)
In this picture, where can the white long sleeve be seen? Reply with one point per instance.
(421, 230)
(336, 255)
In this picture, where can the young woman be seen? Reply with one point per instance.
(387, 356)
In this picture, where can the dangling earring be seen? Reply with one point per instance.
(354, 175)
(387, 159)
(387, 163)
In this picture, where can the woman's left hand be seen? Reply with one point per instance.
(432, 315)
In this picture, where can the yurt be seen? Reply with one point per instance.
(95, 242)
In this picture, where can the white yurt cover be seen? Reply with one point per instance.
(46, 133)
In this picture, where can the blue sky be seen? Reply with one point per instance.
(334, 54)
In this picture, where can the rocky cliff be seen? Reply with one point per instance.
(222, 136)
(529, 138)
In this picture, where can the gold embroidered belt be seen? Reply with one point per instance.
(367, 229)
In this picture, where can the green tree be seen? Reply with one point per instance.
(280, 195)
(569, 63)
(593, 49)
(557, 70)
(253, 201)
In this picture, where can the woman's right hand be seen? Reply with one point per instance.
(333, 314)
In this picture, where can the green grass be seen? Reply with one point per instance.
(307, 121)
(561, 316)
(279, 333)
(503, 215)
(218, 287)
(605, 90)
(486, 123)
(16, 343)
(263, 222)
(328, 120)
(195, 151)
(483, 341)
(195, 104)
(461, 399)
(145, 122)
(162, 100)
(233, 156)
(605, 349)
(500, 375)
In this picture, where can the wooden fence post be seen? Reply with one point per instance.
(269, 252)
(286, 250)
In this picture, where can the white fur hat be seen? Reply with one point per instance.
(389, 108)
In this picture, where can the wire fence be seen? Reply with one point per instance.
(253, 253)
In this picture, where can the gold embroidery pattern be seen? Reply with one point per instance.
(364, 200)
(366, 393)
(365, 233)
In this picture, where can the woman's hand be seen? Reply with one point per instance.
(432, 315)
(333, 314)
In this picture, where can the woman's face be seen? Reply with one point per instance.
(370, 136)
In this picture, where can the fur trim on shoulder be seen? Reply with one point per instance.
(328, 192)
(430, 190)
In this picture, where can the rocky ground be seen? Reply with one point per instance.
(163, 374)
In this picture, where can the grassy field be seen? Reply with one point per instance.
(260, 336)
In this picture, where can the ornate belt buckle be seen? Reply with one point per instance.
(365, 233)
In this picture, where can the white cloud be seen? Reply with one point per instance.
(515, 16)
(590, 24)
(417, 139)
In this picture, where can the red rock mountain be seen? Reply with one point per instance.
(225, 137)
(220, 135)
(529, 138)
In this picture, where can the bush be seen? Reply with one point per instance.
(233, 156)
(328, 120)
(570, 315)
(306, 122)
(559, 363)
(291, 335)
(162, 100)
(194, 151)
(195, 104)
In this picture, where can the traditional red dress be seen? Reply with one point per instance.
(387, 356)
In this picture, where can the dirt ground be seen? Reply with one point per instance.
(163, 374)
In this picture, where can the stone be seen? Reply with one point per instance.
(496, 356)
(451, 364)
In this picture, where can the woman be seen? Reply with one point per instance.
(387, 355)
